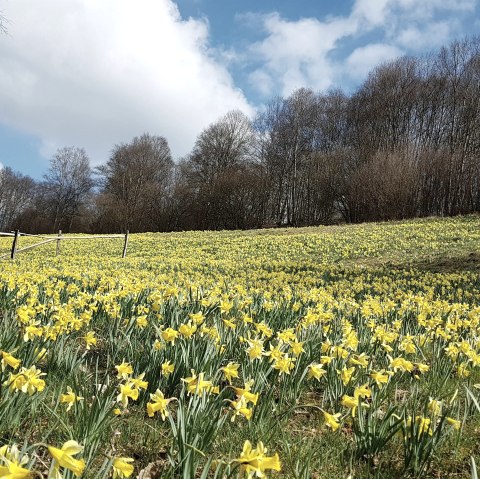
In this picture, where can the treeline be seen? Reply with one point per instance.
(405, 144)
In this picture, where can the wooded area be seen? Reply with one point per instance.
(406, 143)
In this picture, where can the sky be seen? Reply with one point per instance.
(97, 73)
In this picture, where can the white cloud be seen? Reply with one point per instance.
(427, 9)
(262, 82)
(295, 53)
(93, 74)
(371, 12)
(363, 59)
(431, 35)
(314, 53)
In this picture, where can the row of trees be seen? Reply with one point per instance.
(405, 144)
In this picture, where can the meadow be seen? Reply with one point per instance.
(342, 351)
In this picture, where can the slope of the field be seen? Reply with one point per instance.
(347, 350)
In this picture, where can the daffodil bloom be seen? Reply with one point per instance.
(70, 398)
(346, 374)
(362, 392)
(254, 462)
(138, 382)
(359, 360)
(197, 318)
(326, 359)
(141, 321)
(127, 391)
(187, 330)
(225, 306)
(332, 420)
(122, 467)
(264, 329)
(287, 335)
(27, 380)
(246, 392)
(255, 349)
(13, 454)
(423, 368)
(169, 335)
(463, 371)
(167, 368)
(9, 360)
(275, 353)
(197, 385)
(31, 331)
(423, 425)
(64, 458)
(124, 370)
(401, 364)
(351, 341)
(453, 422)
(381, 377)
(90, 340)
(12, 462)
(296, 348)
(350, 402)
(229, 323)
(284, 364)
(316, 371)
(158, 403)
(13, 470)
(435, 406)
(230, 371)
(241, 408)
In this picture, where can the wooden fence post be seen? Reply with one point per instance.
(14, 245)
(57, 252)
(125, 245)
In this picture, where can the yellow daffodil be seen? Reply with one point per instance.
(63, 457)
(124, 370)
(332, 420)
(9, 360)
(158, 403)
(70, 398)
(122, 467)
(254, 462)
(167, 368)
(230, 371)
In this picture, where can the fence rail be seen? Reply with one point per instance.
(49, 239)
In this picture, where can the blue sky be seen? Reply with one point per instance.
(95, 74)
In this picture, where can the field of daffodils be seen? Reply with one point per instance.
(331, 352)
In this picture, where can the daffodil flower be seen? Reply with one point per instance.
(63, 457)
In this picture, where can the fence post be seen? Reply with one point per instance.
(125, 245)
(57, 252)
(14, 245)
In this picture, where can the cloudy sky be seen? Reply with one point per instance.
(95, 73)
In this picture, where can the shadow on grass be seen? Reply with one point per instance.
(449, 264)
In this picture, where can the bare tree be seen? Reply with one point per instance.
(67, 185)
(16, 194)
(136, 181)
(221, 160)
(287, 132)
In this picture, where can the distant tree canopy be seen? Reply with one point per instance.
(406, 143)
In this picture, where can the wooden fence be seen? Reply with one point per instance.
(16, 235)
